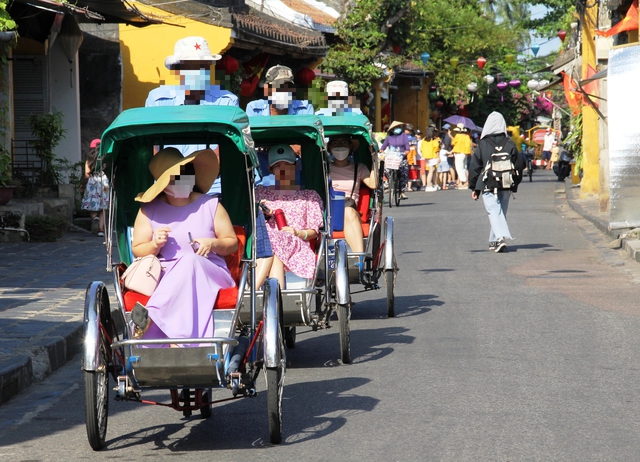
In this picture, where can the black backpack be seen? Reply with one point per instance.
(500, 174)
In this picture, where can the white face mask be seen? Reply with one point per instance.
(196, 79)
(182, 187)
(337, 104)
(340, 153)
(281, 99)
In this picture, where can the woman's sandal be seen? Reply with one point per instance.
(140, 317)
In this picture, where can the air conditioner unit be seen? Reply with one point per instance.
(416, 84)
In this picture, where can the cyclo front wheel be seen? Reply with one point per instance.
(344, 313)
(96, 398)
(530, 170)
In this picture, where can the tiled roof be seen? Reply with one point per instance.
(279, 33)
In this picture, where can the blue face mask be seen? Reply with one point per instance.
(397, 131)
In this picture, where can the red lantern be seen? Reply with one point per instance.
(562, 34)
(481, 62)
(305, 76)
(228, 64)
(439, 104)
(396, 48)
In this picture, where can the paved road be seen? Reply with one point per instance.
(529, 355)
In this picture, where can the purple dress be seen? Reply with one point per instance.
(182, 304)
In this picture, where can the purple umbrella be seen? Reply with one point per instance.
(468, 123)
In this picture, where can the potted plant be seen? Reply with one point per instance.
(48, 131)
(6, 181)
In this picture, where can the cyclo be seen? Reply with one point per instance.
(379, 258)
(312, 302)
(238, 350)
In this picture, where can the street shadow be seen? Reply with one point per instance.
(322, 351)
(310, 410)
(514, 248)
(404, 205)
(436, 270)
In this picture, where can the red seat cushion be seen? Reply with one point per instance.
(226, 297)
(340, 234)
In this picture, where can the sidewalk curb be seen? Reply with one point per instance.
(631, 246)
(48, 354)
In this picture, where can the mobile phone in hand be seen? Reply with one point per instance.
(192, 243)
(264, 208)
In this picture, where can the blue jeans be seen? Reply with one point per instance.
(496, 206)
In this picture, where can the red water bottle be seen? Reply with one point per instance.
(281, 220)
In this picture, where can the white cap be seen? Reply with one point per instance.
(190, 49)
(338, 88)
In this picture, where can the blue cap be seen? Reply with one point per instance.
(446, 126)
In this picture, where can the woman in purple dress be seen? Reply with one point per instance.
(303, 213)
(192, 274)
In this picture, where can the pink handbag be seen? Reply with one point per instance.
(143, 275)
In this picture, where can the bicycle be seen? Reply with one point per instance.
(392, 164)
(530, 166)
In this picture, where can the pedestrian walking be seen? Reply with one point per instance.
(496, 171)
(95, 189)
(461, 147)
(430, 148)
(547, 145)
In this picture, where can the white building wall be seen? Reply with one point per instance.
(65, 97)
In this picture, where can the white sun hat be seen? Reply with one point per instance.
(190, 49)
(338, 88)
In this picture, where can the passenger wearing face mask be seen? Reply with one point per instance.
(175, 209)
(338, 100)
(398, 140)
(191, 62)
(279, 90)
(346, 176)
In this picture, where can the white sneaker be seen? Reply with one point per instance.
(438, 187)
(431, 188)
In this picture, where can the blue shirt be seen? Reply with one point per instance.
(173, 95)
(260, 107)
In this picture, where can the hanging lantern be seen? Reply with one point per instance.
(509, 58)
(228, 64)
(533, 84)
(424, 57)
(489, 79)
(473, 88)
(70, 39)
(534, 49)
(305, 76)
(562, 34)
(481, 62)
(439, 104)
(454, 62)
(543, 83)
(435, 115)
(396, 49)
(515, 83)
(502, 86)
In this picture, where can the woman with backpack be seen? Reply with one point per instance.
(495, 172)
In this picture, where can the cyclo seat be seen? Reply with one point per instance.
(363, 210)
(226, 299)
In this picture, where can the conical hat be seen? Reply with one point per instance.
(395, 124)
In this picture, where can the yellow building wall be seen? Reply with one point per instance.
(144, 50)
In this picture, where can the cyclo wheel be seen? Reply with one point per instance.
(206, 410)
(275, 358)
(530, 171)
(344, 314)
(390, 281)
(96, 399)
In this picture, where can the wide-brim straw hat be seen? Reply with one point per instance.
(354, 142)
(395, 124)
(168, 161)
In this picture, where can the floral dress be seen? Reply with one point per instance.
(303, 210)
(96, 193)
